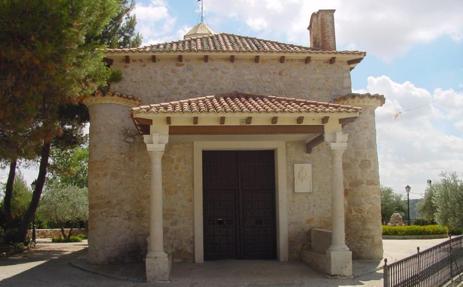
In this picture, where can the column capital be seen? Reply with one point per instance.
(337, 140)
(156, 142)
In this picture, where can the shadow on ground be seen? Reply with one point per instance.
(66, 268)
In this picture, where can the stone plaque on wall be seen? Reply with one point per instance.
(303, 177)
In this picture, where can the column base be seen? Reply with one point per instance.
(339, 262)
(158, 266)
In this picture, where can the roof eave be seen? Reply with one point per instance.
(263, 53)
(157, 115)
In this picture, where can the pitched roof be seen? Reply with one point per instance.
(244, 103)
(224, 42)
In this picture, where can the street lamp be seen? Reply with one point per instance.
(407, 189)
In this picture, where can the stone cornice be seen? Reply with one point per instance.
(111, 98)
(361, 100)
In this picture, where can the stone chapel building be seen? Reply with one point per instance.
(233, 147)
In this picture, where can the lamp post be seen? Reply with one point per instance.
(407, 189)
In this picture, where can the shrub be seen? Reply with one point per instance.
(81, 236)
(456, 231)
(414, 230)
(62, 240)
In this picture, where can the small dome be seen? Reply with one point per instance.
(199, 30)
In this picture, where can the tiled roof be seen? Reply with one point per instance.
(244, 103)
(223, 42)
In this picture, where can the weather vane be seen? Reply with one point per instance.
(202, 10)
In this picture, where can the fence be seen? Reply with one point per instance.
(432, 267)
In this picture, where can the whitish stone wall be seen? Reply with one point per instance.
(308, 210)
(118, 180)
(178, 201)
(168, 80)
(361, 183)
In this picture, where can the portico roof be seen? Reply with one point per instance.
(242, 113)
(243, 103)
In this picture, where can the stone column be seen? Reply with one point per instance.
(340, 257)
(157, 262)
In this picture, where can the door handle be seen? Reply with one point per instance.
(220, 221)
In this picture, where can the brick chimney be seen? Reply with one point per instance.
(321, 27)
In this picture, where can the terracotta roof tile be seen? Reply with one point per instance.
(244, 103)
(224, 42)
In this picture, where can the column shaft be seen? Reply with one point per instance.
(156, 244)
(338, 214)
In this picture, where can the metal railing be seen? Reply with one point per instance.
(432, 267)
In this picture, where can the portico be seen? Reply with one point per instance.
(244, 122)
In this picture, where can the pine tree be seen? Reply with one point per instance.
(120, 32)
(49, 57)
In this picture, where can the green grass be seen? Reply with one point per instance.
(414, 230)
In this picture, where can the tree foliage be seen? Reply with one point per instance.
(120, 32)
(391, 202)
(69, 167)
(44, 44)
(448, 199)
(22, 195)
(427, 206)
(64, 204)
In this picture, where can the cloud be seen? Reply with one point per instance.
(154, 22)
(387, 29)
(415, 142)
(257, 24)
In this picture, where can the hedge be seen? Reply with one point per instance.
(73, 238)
(414, 230)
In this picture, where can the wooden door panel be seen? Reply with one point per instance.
(220, 181)
(257, 193)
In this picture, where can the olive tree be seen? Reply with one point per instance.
(64, 205)
(448, 199)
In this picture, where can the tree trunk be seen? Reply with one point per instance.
(63, 233)
(69, 234)
(7, 217)
(39, 183)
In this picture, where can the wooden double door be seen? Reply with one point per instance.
(239, 205)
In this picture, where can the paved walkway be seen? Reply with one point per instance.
(50, 265)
